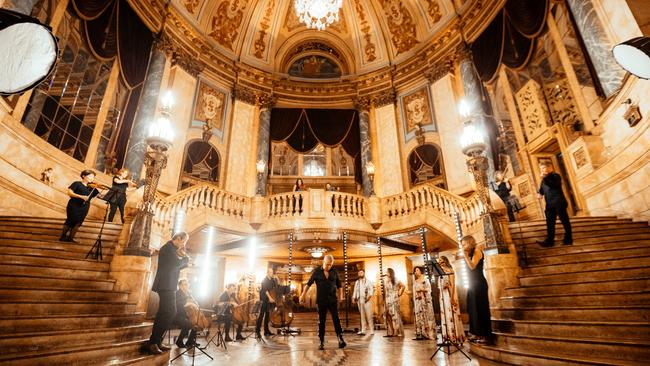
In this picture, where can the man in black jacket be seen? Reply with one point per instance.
(171, 259)
(327, 286)
(183, 296)
(266, 299)
(556, 205)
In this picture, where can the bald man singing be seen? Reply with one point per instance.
(327, 286)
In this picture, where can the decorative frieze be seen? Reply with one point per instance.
(244, 94)
(178, 55)
(439, 70)
(267, 101)
(384, 98)
(361, 104)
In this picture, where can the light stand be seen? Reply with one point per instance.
(381, 276)
(346, 329)
(284, 329)
(445, 341)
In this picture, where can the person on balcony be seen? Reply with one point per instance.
(299, 186)
(362, 294)
(423, 305)
(328, 285)
(329, 187)
(80, 193)
(478, 303)
(450, 315)
(171, 259)
(393, 290)
(556, 205)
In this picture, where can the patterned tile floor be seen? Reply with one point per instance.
(303, 350)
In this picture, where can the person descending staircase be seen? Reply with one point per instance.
(57, 308)
(586, 303)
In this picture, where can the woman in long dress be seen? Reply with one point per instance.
(423, 304)
(450, 311)
(80, 195)
(478, 304)
(393, 290)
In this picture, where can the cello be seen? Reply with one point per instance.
(281, 315)
(196, 316)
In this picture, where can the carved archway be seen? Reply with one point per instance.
(201, 163)
(425, 165)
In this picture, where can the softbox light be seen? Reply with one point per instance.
(634, 56)
(28, 52)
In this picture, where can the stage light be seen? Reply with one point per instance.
(464, 109)
(252, 253)
(179, 221)
(207, 264)
(634, 56)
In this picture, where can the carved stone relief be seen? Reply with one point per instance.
(383, 98)
(191, 5)
(433, 10)
(209, 108)
(417, 114)
(580, 158)
(562, 107)
(227, 22)
(262, 35)
(533, 111)
(401, 25)
(244, 94)
(364, 25)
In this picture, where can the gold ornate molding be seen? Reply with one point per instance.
(439, 70)
(244, 94)
(384, 98)
(362, 104)
(179, 56)
(266, 100)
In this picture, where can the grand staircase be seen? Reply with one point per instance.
(57, 308)
(586, 304)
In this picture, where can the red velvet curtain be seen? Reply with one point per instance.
(303, 129)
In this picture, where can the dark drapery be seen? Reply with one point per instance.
(113, 29)
(510, 37)
(427, 155)
(202, 152)
(303, 129)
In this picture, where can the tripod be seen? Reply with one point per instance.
(96, 251)
(439, 272)
(221, 342)
(194, 347)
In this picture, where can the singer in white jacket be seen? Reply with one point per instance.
(363, 292)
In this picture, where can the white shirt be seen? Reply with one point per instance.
(362, 289)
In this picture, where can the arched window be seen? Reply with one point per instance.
(201, 164)
(425, 165)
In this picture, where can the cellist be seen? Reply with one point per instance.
(183, 296)
(226, 304)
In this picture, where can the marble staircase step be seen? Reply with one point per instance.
(578, 299)
(585, 313)
(34, 234)
(96, 355)
(575, 219)
(43, 341)
(530, 243)
(45, 323)
(584, 285)
(519, 233)
(51, 261)
(107, 252)
(54, 244)
(53, 271)
(529, 358)
(589, 329)
(88, 223)
(576, 346)
(53, 281)
(527, 226)
(608, 254)
(33, 293)
(63, 307)
(583, 236)
(531, 252)
(577, 277)
(52, 228)
(581, 265)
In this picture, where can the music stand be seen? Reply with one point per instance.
(439, 272)
(96, 250)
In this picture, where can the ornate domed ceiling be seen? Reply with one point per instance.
(268, 34)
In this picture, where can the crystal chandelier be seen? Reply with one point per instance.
(318, 13)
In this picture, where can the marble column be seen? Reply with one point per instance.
(473, 95)
(266, 102)
(20, 6)
(363, 108)
(146, 112)
(598, 45)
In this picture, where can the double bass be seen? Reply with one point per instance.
(196, 316)
(241, 312)
(282, 314)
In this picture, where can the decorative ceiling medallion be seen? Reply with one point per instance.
(318, 14)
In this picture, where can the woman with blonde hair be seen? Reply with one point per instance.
(478, 304)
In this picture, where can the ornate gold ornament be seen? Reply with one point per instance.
(227, 21)
(383, 98)
(260, 43)
(364, 25)
(244, 94)
(178, 55)
(439, 70)
(361, 104)
(400, 24)
(417, 110)
(210, 105)
(190, 5)
(433, 10)
(266, 101)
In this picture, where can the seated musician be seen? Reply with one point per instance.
(225, 309)
(183, 296)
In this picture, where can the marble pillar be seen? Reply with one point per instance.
(264, 140)
(363, 108)
(240, 169)
(473, 95)
(598, 45)
(20, 6)
(146, 112)
(388, 166)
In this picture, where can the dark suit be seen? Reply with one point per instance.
(556, 205)
(182, 320)
(165, 283)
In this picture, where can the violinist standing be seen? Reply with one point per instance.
(117, 198)
(327, 286)
(226, 303)
(183, 296)
(171, 259)
(268, 284)
(80, 193)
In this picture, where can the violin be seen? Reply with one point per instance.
(99, 186)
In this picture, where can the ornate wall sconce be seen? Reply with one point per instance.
(632, 114)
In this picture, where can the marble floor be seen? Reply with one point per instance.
(303, 350)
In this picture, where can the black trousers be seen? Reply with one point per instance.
(119, 203)
(228, 323)
(164, 316)
(552, 212)
(322, 315)
(264, 313)
(186, 328)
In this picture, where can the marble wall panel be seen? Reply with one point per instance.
(240, 174)
(389, 168)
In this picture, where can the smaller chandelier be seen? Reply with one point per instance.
(318, 14)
